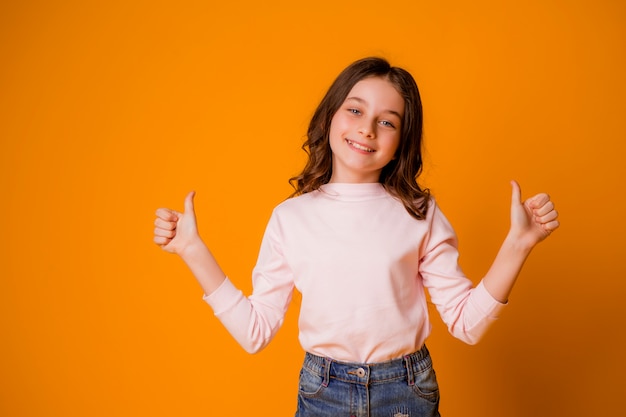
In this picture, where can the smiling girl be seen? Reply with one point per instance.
(362, 242)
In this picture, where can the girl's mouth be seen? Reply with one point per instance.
(359, 146)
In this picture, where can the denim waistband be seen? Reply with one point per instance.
(370, 373)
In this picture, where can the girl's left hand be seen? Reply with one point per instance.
(532, 220)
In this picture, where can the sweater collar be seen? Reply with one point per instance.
(353, 191)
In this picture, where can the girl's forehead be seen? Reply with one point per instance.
(378, 91)
(373, 82)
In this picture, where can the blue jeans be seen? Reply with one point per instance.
(405, 387)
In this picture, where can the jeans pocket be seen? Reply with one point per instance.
(310, 383)
(426, 385)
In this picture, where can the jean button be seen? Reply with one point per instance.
(360, 372)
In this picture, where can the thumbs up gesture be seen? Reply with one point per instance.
(175, 231)
(533, 219)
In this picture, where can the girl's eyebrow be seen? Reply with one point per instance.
(360, 100)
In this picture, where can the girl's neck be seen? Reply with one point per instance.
(355, 179)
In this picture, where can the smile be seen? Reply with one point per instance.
(359, 146)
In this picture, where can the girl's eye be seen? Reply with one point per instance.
(354, 111)
(387, 123)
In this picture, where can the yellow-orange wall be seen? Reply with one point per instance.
(109, 110)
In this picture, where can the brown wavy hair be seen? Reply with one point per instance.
(399, 176)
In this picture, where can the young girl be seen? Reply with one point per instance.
(361, 241)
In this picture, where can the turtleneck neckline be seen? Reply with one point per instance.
(353, 191)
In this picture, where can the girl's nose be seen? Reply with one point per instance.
(367, 129)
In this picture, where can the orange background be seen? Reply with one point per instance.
(109, 110)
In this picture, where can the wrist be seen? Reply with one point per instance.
(517, 243)
(193, 250)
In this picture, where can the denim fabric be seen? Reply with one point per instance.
(405, 387)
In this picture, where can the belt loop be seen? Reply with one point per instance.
(423, 352)
(408, 363)
(327, 363)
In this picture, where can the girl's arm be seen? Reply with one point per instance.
(531, 221)
(178, 233)
(253, 321)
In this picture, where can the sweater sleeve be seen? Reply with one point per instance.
(468, 311)
(253, 321)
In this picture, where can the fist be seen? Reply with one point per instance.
(173, 230)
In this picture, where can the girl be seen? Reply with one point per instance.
(361, 241)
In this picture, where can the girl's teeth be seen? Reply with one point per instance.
(360, 147)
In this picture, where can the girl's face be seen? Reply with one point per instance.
(365, 131)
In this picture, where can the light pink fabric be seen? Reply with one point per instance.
(361, 263)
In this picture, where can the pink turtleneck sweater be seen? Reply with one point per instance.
(361, 263)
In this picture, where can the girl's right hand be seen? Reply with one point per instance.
(175, 231)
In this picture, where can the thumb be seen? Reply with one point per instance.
(516, 193)
(189, 207)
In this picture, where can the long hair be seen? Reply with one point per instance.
(399, 176)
